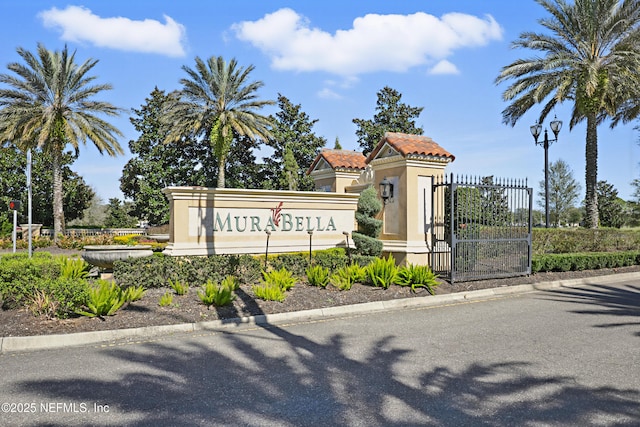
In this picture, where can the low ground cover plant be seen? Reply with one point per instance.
(218, 294)
(275, 284)
(417, 276)
(104, 299)
(382, 272)
(317, 275)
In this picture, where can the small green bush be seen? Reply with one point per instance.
(583, 261)
(417, 276)
(103, 299)
(20, 276)
(318, 276)
(382, 272)
(366, 245)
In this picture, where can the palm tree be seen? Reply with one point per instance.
(217, 101)
(48, 104)
(591, 59)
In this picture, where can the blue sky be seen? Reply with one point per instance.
(332, 57)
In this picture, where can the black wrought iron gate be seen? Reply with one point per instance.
(481, 228)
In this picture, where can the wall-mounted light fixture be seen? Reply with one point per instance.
(386, 190)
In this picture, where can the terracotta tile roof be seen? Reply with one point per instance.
(407, 144)
(340, 159)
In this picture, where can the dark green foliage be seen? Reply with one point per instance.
(565, 240)
(296, 262)
(20, 276)
(153, 272)
(366, 245)
(369, 204)
(368, 226)
(292, 133)
(391, 116)
(610, 206)
(67, 295)
(76, 192)
(119, 214)
(564, 191)
(583, 261)
(366, 238)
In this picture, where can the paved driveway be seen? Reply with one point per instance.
(565, 357)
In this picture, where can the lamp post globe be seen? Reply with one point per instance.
(536, 129)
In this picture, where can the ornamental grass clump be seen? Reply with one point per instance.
(219, 294)
(417, 276)
(318, 275)
(382, 272)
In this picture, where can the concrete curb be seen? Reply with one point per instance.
(42, 342)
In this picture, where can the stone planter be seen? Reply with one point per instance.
(104, 256)
(160, 238)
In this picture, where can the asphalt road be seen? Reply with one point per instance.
(566, 357)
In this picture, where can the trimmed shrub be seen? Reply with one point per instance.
(583, 261)
(366, 238)
(366, 245)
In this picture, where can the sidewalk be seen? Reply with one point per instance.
(30, 343)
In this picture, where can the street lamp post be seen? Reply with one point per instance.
(555, 125)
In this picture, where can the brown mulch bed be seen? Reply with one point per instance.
(188, 308)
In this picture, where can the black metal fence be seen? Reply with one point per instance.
(481, 228)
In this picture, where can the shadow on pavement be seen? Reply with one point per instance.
(622, 301)
(279, 378)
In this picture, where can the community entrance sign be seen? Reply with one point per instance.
(207, 221)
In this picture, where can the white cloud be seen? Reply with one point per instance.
(327, 93)
(444, 67)
(374, 43)
(79, 24)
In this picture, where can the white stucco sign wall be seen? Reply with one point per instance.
(215, 221)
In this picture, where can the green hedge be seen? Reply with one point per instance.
(583, 261)
(155, 271)
(578, 240)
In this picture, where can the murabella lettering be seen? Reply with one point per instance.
(288, 222)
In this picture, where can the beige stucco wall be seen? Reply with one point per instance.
(406, 218)
(206, 221)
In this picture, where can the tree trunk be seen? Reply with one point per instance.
(221, 164)
(58, 212)
(591, 173)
